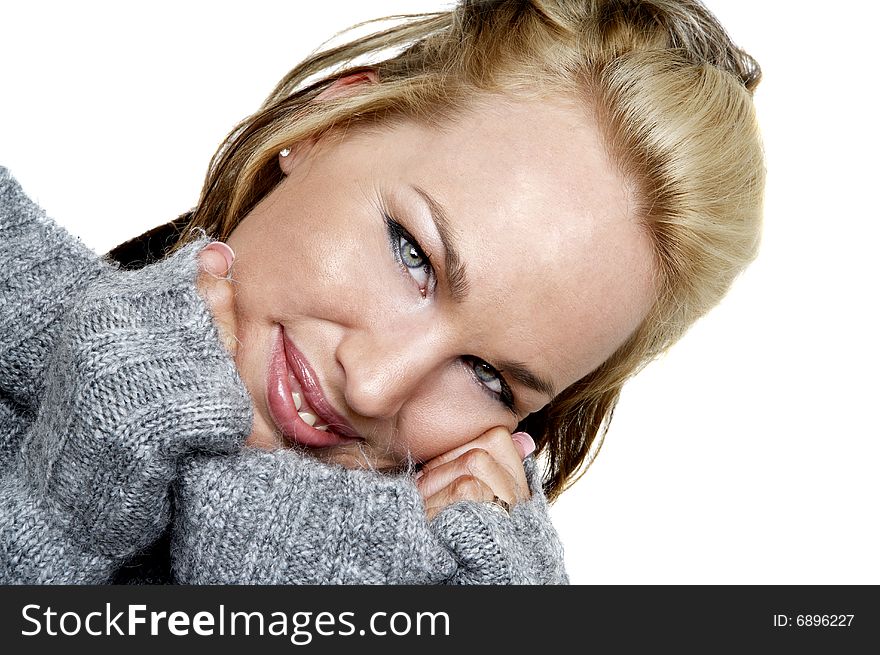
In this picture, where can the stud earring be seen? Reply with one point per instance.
(285, 152)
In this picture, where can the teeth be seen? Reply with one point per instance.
(322, 428)
(308, 418)
(297, 401)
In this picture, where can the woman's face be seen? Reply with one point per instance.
(415, 287)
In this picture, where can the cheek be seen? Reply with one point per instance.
(322, 275)
(447, 415)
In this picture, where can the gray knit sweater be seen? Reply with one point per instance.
(122, 419)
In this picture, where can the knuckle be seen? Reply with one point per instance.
(476, 458)
(223, 293)
(218, 293)
(497, 436)
(466, 487)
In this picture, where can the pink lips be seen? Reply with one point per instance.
(288, 368)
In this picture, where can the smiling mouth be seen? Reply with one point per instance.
(297, 404)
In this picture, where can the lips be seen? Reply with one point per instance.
(290, 375)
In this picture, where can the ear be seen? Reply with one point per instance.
(348, 85)
(344, 86)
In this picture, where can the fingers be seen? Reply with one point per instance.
(503, 448)
(497, 441)
(216, 287)
(466, 487)
(489, 466)
(524, 443)
(216, 259)
(476, 463)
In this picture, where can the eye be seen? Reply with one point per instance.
(410, 255)
(492, 381)
(488, 376)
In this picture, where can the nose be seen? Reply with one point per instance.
(384, 367)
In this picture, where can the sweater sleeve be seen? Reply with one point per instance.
(283, 518)
(136, 380)
(494, 548)
(41, 268)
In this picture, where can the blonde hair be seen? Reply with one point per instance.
(673, 98)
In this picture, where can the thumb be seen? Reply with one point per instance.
(216, 259)
(216, 286)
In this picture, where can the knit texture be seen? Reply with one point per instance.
(41, 269)
(298, 521)
(127, 377)
(122, 419)
(491, 548)
(257, 517)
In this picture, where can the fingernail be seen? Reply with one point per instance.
(524, 443)
(419, 474)
(224, 250)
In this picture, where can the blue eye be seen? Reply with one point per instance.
(417, 264)
(488, 376)
(410, 255)
(491, 380)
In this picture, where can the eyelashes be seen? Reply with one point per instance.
(491, 381)
(412, 258)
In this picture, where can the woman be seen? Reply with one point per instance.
(483, 235)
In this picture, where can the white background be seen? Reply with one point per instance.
(747, 455)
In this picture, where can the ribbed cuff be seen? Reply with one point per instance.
(495, 549)
(283, 518)
(137, 379)
(42, 267)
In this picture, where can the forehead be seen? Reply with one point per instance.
(559, 268)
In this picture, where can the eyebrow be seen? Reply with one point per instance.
(525, 377)
(456, 277)
(456, 273)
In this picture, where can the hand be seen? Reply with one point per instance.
(489, 547)
(215, 285)
(489, 466)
